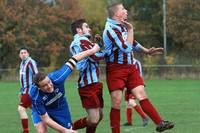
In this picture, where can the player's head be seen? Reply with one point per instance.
(23, 53)
(43, 82)
(80, 27)
(117, 11)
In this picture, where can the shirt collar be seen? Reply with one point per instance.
(27, 59)
(76, 36)
(112, 21)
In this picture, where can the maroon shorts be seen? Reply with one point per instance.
(119, 76)
(92, 95)
(25, 101)
(128, 96)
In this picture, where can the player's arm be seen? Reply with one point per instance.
(51, 123)
(33, 67)
(151, 51)
(60, 75)
(75, 58)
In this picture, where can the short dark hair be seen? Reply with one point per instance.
(77, 24)
(38, 78)
(111, 9)
(24, 48)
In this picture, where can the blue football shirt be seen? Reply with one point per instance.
(55, 103)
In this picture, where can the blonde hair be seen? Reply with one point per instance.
(111, 9)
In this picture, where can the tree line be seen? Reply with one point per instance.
(45, 28)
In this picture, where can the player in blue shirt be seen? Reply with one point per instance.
(48, 96)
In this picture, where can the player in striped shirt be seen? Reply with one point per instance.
(89, 87)
(118, 37)
(28, 68)
(131, 101)
(48, 96)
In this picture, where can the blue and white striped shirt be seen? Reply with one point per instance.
(138, 66)
(89, 66)
(114, 37)
(28, 68)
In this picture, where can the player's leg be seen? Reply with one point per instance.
(116, 100)
(25, 102)
(137, 89)
(128, 110)
(92, 100)
(24, 118)
(116, 77)
(93, 118)
(132, 103)
(150, 110)
(128, 115)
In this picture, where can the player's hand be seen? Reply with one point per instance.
(98, 39)
(128, 25)
(70, 131)
(95, 48)
(155, 51)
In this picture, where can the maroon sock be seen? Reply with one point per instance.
(149, 109)
(115, 120)
(129, 115)
(91, 129)
(81, 123)
(140, 111)
(24, 123)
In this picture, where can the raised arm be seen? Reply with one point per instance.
(152, 50)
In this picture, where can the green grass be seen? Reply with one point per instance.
(176, 100)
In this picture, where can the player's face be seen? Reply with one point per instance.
(86, 29)
(46, 85)
(121, 13)
(23, 54)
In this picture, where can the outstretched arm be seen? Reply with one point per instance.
(72, 61)
(51, 123)
(152, 50)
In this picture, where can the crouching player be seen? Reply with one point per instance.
(50, 107)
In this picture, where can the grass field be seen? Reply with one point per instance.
(176, 100)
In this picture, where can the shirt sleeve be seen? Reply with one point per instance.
(97, 56)
(82, 63)
(33, 67)
(136, 46)
(59, 76)
(39, 107)
(115, 36)
(37, 101)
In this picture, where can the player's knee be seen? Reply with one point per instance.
(131, 103)
(101, 116)
(41, 128)
(41, 131)
(93, 121)
(140, 94)
(116, 104)
(21, 109)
